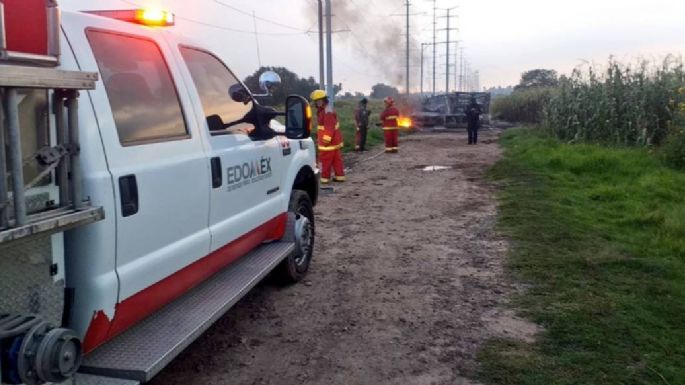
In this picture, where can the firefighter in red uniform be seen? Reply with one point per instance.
(389, 122)
(329, 138)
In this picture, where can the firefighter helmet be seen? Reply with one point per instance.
(389, 100)
(318, 95)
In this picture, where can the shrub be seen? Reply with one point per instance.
(673, 151)
(523, 106)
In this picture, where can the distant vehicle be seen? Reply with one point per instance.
(143, 192)
(448, 109)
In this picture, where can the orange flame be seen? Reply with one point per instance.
(404, 122)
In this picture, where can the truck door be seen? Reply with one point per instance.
(246, 197)
(155, 158)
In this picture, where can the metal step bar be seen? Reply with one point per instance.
(15, 223)
(140, 353)
(87, 379)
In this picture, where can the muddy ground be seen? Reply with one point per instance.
(407, 281)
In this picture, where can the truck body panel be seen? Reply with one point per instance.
(181, 202)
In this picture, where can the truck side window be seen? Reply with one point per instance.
(140, 89)
(213, 80)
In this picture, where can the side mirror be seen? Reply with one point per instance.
(215, 123)
(298, 118)
(239, 94)
(268, 81)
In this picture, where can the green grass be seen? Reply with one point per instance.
(598, 234)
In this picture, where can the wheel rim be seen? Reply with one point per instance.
(303, 238)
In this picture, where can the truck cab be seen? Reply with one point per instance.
(200, 191)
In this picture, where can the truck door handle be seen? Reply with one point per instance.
(128, 190)
(217, 175)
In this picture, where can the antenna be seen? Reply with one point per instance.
(256, 36)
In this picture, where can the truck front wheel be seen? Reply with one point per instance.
(295, 266)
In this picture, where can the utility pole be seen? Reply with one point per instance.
(467, 76)
(447, 48)
(456, 66)
(435, 24)
(321, 60)
(256, 36)
(447, 55)
(407, 73)
(422, 57)
(461, 70)
(330, 91)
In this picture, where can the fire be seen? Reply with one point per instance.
(404, 122)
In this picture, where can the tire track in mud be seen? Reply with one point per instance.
(407, 282)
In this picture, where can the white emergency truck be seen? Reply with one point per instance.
(143, 192)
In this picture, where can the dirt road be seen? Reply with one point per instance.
(406, 283)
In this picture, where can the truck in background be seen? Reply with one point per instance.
(448, 109)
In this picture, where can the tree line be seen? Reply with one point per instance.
(291, 84)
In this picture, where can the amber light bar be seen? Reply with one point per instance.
(149, 17)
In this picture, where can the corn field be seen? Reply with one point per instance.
(620, 105)
(522, 106)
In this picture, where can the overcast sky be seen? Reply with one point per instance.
(501, 38)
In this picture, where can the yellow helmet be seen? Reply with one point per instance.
(318, 95)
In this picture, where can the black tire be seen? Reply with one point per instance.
(296, 265)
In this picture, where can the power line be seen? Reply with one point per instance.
(240, 30)
(357, 40)
(259, 18)
(256, 37)
(354, 36)
(224, 28)
(363, 12)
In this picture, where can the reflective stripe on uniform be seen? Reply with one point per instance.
(327, 138)
(391, 117)
(331, 148)
(320, 128)
(390, 128)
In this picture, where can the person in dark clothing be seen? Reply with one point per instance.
(361, 119)
(473, 113)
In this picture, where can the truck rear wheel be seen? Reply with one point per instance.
(295, 266)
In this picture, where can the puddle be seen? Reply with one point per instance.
(326, 190)
(435, 168)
